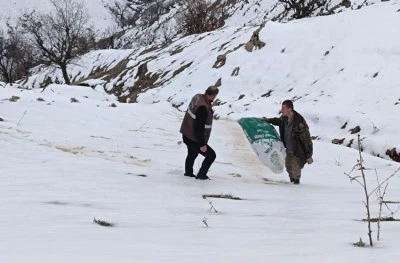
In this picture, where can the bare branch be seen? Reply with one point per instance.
(397, 210)
(384, 181)
(355, 178)
(380, 198)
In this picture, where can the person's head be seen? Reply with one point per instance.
(287, 108)
(211, 93)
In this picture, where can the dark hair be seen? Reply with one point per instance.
(212, 90)
(288, 104)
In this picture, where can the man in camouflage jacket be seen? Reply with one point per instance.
(295, 135)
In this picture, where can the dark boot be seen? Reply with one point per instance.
(202, 177)
(296, 181)
(205, 166)
(190, 175)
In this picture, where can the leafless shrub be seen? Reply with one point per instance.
(109, 37)
(298, 9)
(200, 16)
(125, 13)
(362, 181)
(152, 12)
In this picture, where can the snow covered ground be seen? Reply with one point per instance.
(70, 154)
(65, 163)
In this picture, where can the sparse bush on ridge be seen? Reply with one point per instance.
(304, 8)
(123, 12)
(199, 16)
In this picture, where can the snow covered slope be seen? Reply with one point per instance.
(339, 76)
(64, 164)
(240, 13)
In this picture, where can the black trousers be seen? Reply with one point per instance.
(193, 151)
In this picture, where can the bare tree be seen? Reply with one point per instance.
(60, 35)
(200, 16)
(7, 60)
(153, 11)
(304, 8)
(124, 12)
(129, 13)
(16, 57)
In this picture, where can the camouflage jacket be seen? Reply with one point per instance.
(302, 143)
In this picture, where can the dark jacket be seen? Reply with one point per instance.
(301, 139)
(197, 123)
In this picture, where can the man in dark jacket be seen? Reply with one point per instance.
(196, 129)
(295, 135)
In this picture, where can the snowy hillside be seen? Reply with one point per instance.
(99, 15)
(338, 75)
(238, 13)
(65, 163)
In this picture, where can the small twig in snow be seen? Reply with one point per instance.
(23, 115)
(102, 222)
(205, 222)
(384, 181)
(138, 129)
(211, 206)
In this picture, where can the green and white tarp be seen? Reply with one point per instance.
(265, 142)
